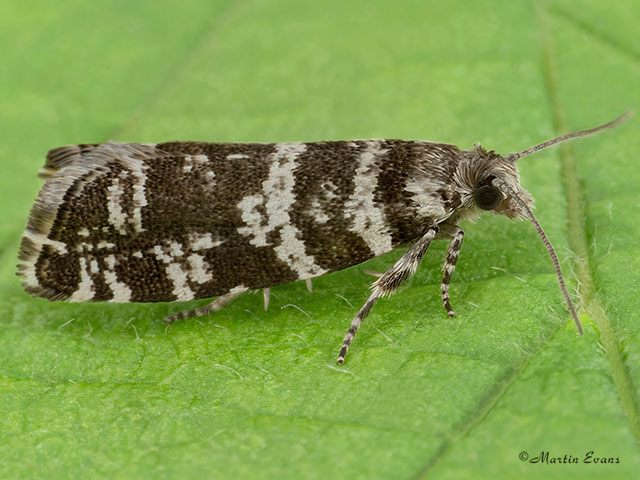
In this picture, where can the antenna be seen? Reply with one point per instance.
(556, 264)
(514, 157)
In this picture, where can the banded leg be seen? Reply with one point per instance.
(449, 265)
(214, 306)
(388, 283)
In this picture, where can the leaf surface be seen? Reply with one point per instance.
(109, 391)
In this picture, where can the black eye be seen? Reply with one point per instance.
(487, 198)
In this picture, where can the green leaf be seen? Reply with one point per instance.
(97, 390)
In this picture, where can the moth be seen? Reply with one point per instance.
(177, 221)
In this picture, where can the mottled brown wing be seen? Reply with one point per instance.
(185, 220)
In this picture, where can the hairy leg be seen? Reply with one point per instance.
(214, 306)
(388, 283)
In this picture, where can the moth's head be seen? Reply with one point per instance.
(489, 182)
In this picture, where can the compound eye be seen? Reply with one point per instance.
(487, 197)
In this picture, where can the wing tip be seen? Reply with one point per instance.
(61, 157)
(30, 250)
(66, 170)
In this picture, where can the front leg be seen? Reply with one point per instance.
(449, 265)
(388, 283)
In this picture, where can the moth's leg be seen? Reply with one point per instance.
(266, 292)
(388, 283)
(449, 265)
(373, 274)
(214, 306)
(309, 284)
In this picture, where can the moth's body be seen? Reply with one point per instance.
(186, 220)
(181, 221)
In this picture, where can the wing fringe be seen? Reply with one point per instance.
(61, 157)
